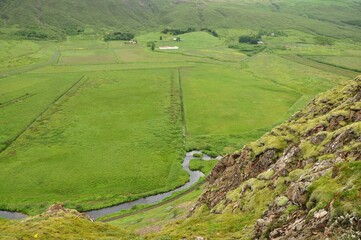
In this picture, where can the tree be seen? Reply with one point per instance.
(118, 36)
(249, 39)
(161, 38)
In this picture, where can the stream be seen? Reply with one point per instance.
(194, 176)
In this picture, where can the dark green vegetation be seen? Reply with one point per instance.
(177, 31)
(118, 36)
(93, 123)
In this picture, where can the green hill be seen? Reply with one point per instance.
(55, 19)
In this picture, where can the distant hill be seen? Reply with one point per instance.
(56, 18)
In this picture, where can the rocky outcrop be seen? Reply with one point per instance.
(58, 209)
(317, 147)
(62, 224)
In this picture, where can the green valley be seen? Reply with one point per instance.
(91, 122)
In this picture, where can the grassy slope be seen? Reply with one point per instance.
(155, 219)
(58, 16)
(61, 225)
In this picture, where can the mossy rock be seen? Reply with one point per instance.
(281, 201)
(267, 175)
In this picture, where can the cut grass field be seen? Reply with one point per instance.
(103, 125)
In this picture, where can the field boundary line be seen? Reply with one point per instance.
(40, 115)
(113, 70)
(197, 56)
(189, 190)
(331, 64)
(321, 66)
(184, 123)
(15, 100)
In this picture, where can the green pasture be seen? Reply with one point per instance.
(252, 105)
(103, 124)
(25, 97)
(207, 89)
(117, 136)
(15, 54)
(87, 57)
(199, 45)
(348, 62)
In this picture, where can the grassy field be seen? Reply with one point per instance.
(347, 62)
(103, 123)
(25, 97)
(14, 54)
(117, 135)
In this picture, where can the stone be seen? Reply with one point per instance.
(320, 214)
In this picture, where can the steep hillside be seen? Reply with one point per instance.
(299, 181)
(54, 19)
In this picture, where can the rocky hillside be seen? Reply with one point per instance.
(302, 180)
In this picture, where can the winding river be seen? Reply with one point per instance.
(194, 176)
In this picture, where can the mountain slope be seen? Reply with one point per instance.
(68, 16)
(299, 181)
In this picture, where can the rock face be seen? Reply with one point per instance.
(313, 164)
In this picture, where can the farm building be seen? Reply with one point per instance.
(168, 48)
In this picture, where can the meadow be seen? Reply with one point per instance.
(106, 122)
